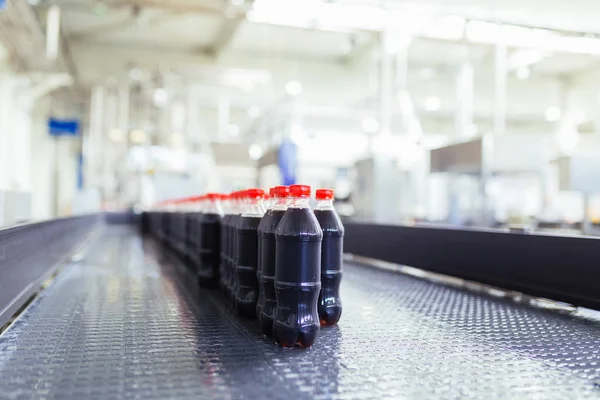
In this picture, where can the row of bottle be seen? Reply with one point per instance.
(282, 265)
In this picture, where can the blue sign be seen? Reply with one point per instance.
(63, 127)
(287, 162)
(2, 4)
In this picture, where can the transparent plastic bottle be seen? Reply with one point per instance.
(233, 229)
(267, 300)
(223, 271)
(332, 251)
(210, 241)
(247, 251)
(297, 272)
(267, 202)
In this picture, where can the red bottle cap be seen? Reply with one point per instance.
(324, 194)
(254, 193)
(300, 190)
(281, 191)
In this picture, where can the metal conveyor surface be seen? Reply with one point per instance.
(126, 322)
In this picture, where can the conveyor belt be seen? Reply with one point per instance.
(121, 324)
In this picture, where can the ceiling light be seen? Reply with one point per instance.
(160, 97)
(553, 114)
(293, 88)
(116, 135)
(432, 103)
(233, 130)
(370, 125)
(523, 73)
(137, 136)
(253, 112)
(136, 74)
(255, 151)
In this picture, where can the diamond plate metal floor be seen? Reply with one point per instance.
(124, 324)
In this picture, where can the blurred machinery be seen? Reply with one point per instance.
(377, 189)
(489, 180)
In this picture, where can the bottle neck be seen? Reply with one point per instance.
(253, 208)
(226, 206)
(213, 207)
(324, 205)
(299, 202)
(280, 203)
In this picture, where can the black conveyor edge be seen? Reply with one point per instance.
(564, 268)
(30, 253)
(127, 323)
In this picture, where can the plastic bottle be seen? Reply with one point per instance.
(247, 249)
(332, 250)
(297, 272)
(210, 235)
(267, 203)
(233, 229)
(267, 300)
(196, 233)
(223, 271)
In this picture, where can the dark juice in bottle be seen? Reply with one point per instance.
(297, 272)
(247, 252)
(259, 230)
(223, 277)
(332, 250)
(267, 299)
(232, 247)
(210, 242)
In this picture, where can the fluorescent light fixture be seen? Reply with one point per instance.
(432, 103)
(413, 21)
(370, 125)
(523, 73)
(255, 151)
(553, 114)
(293, 88)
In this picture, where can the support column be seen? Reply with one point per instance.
(464, 99)
(93, 141)
(385, 84)
(500, 73)
(224, 108)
